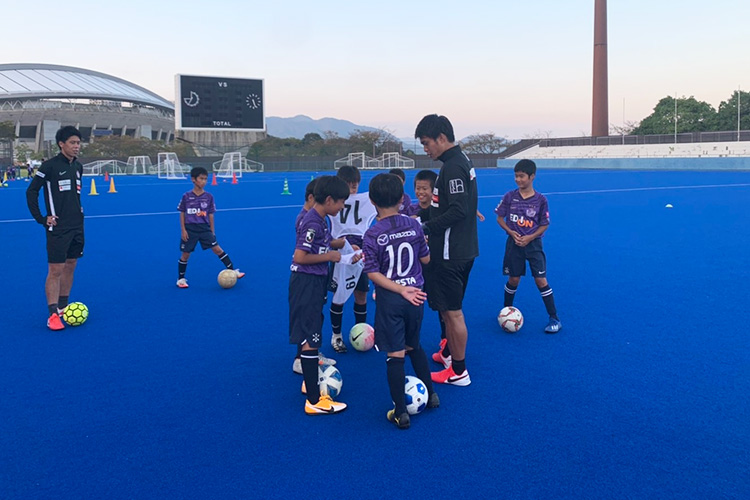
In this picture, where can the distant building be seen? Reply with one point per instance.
(40, 98)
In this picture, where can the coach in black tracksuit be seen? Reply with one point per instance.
(451, 227)
(60, 179)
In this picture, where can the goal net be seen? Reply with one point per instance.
(390, 160)
(139, 165)
(229, 166)
(235, 164)
(359, 160)
(100, 167)
(169, 167)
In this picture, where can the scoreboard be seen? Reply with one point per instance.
(218, 103)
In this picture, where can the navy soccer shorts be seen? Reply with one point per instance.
(514, 262)
(198, 233)
(397, 322)
(307, 296)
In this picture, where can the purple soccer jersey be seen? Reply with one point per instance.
(405, 205)
(300, 216)
(393, 246)
(197, 208)
(412, 209)
(524, 215)
(312, 237)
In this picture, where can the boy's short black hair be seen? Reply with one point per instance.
(310, 189)
(330, 185)
(66, 133)
(349, 174)
(386, 190)
(426, 175)
(432, 126)
(526, 166)
(398, 173)
(197, 171)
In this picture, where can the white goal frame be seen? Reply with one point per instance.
(169, 166)
(139, 165)
(359, 160)
(388, 161)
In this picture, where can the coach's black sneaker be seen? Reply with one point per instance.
(433, 401)
(402, 421)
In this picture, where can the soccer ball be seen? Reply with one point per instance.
(416, 395)
(329, 380)
(362, 337)
(227, 278)
(510, 319)
(76, 314)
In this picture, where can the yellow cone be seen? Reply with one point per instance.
(112, 185)
(93, 189)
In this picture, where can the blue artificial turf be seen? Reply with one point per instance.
(170, 393)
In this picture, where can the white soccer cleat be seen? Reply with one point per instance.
(182, 283)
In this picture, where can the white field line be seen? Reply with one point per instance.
(276, 207)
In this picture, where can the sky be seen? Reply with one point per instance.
(513, 68)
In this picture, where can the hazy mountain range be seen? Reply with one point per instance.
(298, 126)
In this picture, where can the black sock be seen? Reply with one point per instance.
(510, 293)
(360, 313)
(337, 313)
(52, 308)
(446, 349)
(310, 374)
(549, 301)
(181, 268)
(396, 378)
(419, 362)
(62, 301)
(459, 366)
(226, 260)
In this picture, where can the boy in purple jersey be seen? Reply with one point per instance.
(524, 215)
(405, 207)
(197, 208)
(309, 202)
(307, 287)
(395, 248)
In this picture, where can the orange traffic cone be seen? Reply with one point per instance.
(93, 189)
(112, 186)
(213, 181)
(106, 176)
(234, 178)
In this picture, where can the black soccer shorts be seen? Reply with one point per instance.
(63, 244)
(397, 322)
(445, 283)
(307, 296)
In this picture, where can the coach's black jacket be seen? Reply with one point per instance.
(61, 180)
(452, 223)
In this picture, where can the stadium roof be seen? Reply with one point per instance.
(48, 81)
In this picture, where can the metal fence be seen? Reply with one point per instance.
(613, 140)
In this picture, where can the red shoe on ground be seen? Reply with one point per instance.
(448, 376)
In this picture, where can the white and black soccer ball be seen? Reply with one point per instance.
(329, 381)
(416, 395)
(510, 319)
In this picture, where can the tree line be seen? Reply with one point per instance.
(691, 115)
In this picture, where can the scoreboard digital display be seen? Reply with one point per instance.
(217, 103)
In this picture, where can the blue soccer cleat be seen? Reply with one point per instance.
(553, 326)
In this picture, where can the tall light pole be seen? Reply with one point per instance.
(739, 101)
(675, 118)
